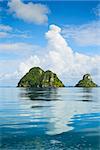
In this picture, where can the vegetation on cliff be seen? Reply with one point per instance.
(36, 77)
(86, 82)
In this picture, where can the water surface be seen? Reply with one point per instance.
(50, 119)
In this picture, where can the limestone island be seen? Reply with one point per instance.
(36, 77)
(86, 82)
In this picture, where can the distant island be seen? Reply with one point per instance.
(37, 77)
(86, 82)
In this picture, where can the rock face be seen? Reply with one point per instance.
(86, 82)
(36, 77)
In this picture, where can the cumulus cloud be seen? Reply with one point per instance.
(32, 61)
(30, 12)
(60, 58)
(57, 56)
(85, 35)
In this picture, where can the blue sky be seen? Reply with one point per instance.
(23, 29)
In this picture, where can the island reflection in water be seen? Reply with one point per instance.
(61, 108)
(61, 118)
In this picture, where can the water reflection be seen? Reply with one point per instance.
(87, 94)
(46, 94)
(50, 118)
(61, 107)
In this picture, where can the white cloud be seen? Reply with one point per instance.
(18, 50)
(15, 47)
(5, 27)
(25, 66)
(58, 56)
(32, 13)
(85, 35)
(4, 34)
(4, 30)
(97, 10)
(7, 31)
(61, 59)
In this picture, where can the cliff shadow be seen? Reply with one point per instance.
(40, 94)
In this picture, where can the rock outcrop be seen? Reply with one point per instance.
(86, 82)
(36, 77)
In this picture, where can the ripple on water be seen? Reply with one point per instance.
(59, 119)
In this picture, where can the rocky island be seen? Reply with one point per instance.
(86, 82)
(36, 77)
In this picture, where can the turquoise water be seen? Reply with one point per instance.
(49, 119)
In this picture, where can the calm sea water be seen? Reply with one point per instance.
(49, 119)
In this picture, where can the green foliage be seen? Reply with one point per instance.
(86, 82)
(36, 77)
(50, 79)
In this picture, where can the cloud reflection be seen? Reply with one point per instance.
(60, 106)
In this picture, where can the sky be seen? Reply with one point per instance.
(62, 36)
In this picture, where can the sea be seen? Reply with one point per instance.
(49, 118)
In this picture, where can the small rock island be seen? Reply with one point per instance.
(36, 77)
(86, 82)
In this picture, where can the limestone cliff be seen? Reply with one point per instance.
(86, 82)
(36, 77)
